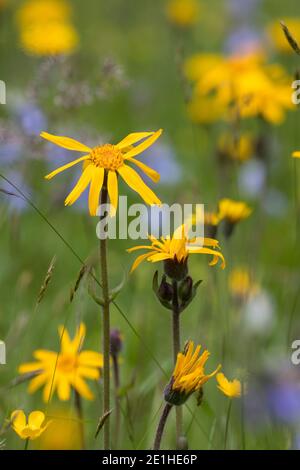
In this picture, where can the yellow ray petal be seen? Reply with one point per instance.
(36, 419)
(65, 142)
(88, 372)
(159, 257)
(29, 367)
(139, 259)
(18, 419)
(112, 186)
(65, 167)
(81, 185)
(95, 189)
(136, 183)
(133, 139)
(82, 388)
(152, 174)
(90, 359)
(63, 388)
(144, 145)
(37, 382)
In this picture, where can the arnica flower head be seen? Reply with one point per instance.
(64, 370)
(103, 164)
(31, 428)
(175, 250)
(296, 154)
(237, 148)
(50, 38)
(241, 284)
(231, 389)
(189, 374)
(64, 433)
(211, 222)
(232, 212)
(277, 37)
(43, 11)
(183, 13)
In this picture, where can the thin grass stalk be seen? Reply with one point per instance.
(116, 376)
(106, 326)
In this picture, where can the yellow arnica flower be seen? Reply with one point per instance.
(64, 370)
(177, 248)
(189, 374)
(231, 389)
(64, 432)
(233, 211)
(277, 37)
(296, 154)
(43, 11)
(241, 284)
(183, 13)
(239, 148)
(51, 38)
(107, 162)
(31, 429)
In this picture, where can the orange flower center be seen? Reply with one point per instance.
(107, 156)
(66, 362)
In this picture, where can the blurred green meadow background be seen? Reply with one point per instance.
(126, 76)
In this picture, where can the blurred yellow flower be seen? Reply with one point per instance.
(64, 370)
(31, 429)
(239, 148)
(277, 36)
(64, 432)
(240, 85)
(104, 163)
(183, 13)
(43, 11)
(205, 109)
(233, 211)
(231, 389)
(296, 154)
(51, 38)
(189, 374)
(177, 248)
(240, 283)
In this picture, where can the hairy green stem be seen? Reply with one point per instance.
(176, 350)
(161, 426)
(106, 326)
(227, 424)
(116, 373)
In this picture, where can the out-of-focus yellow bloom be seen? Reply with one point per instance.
(277, 36)
(233, 211)
(241, 85)
(177, 248)
(183, 13)
(296, 154)
(43, 11)
(231, 389)
(109, 161)
(64, 370)
(239, 148)
(64, 432)
(31, 429)
(45, 39)
(240, 284)
(205, 110)
(189, 374)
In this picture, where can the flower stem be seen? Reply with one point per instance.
(176, 350)
(227, 423)
(116, 372)
(26, 444)
(161, 426)
(78, 406)
(106, 326)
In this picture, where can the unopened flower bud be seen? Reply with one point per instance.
(186, 289)
(165, 290)
(116, 343)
